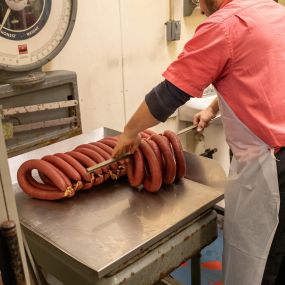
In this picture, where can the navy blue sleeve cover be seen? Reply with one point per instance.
(164, 99)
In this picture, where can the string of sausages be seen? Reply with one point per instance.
(158, 160)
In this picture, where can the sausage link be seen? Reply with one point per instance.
(87, 162)
(116, 166)
(153, 180)
(97, 158)
(103, 146)
(96, 181)
(83, 159)
(150, 132)
(88, 185)
(46, 168)
(63, 189)
(108, 149)
(94, 156)
(144, 135)
(41, 186)
(62, 165)
(102, 152)
(135, 168)
(109, 142)
(77, 184)
(105, 154)
(112, 143)
(178, 153)
(41, 194)
(78, 166)
(157, 152)
(45, 180)
(169, 161)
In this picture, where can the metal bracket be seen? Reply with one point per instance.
(173, 30)
(188, 8)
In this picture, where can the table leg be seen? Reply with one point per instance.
(195, 269)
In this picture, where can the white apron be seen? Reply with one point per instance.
(252, 203)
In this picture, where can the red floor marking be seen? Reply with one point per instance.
(212, 265)
(218, 283)
(184, 264)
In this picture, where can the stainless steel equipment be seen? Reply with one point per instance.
(37, 107)
(114, 234)
(12, 256)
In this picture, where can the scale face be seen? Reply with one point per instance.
(32, 32)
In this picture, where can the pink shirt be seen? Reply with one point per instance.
(241, 50)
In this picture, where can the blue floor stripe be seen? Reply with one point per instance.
(211, 253)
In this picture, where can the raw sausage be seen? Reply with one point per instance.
(170, 168)
(135, 168)
(152, 178)
(78, 166)
(178, 153)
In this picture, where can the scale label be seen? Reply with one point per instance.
(23, 49)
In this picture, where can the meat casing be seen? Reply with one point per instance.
(178, 153)
(152, 178)
(168, 158)
(63, 188)
(135, 168)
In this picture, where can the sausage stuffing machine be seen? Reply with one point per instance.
(116, 235)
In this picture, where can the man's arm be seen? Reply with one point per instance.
(159, 104)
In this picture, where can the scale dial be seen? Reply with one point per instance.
(32, 32)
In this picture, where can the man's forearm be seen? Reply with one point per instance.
(214, 106)
(159, 104)
(142, 119)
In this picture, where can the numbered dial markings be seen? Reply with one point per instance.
(31, 30)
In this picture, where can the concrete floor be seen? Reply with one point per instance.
(211, 265)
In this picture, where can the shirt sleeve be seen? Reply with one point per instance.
(164, 99)
(205, 59)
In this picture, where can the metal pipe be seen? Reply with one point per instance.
(11, 245)
(171, 10)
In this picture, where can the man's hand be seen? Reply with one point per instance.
(203, 118)
(126, 144)
(129, 140)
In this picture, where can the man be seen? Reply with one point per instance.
(240, 49)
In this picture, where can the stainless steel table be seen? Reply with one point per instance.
(114, 234)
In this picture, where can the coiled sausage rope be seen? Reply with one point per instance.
(158, 160)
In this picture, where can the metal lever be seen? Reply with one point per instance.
(186, 130)
(127, 154)
(107, 162)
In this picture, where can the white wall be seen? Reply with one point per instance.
(119, 50)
